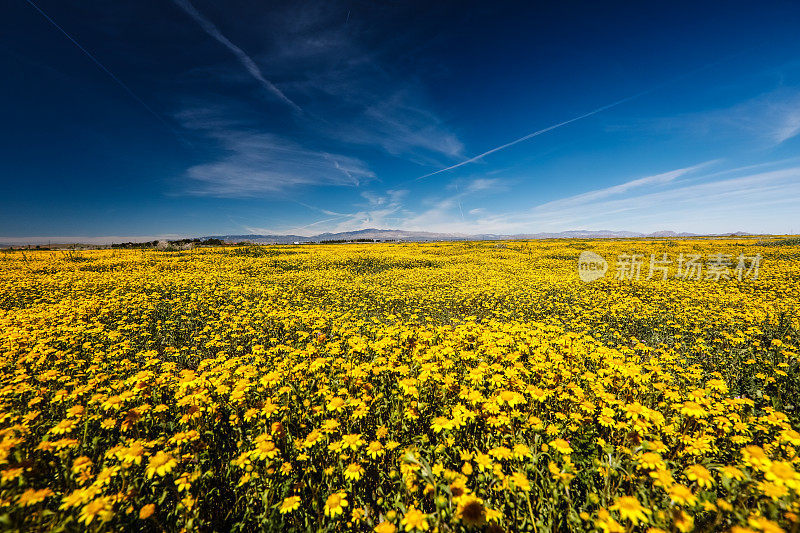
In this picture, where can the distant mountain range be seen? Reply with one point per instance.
(416, 236)
(365, 234)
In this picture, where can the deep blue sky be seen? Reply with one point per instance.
(262, 117)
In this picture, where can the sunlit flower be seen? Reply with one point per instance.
(782, 473)
(561, 446)
(682, 495)
(415, 520)
(520, 481)
(353, 472)
(290, 504)
(629, 508)
(700, 475)
(732, 472)
(385, 527)
(160, 464)
(99, 508)
(335, 504)
(33, 496)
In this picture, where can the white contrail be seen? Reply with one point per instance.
(590, 113)
(298, 228)
(536, 133)
(103, 68)
(240, 54)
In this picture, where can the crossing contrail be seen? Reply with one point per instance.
(103, 68)
(247, 62)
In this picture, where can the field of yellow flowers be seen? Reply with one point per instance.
(390, 387)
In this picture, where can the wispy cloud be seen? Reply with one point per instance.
(765, 121)
(354, 93)
(400, 125)
(260, 163)
(381, 211)
(663, 178)
(685, 199)
(761, 201)
(254, 163)
(773, 117)
(247, 62)
(788, 126)
(303, 230)
(355, 103)
(446, 214)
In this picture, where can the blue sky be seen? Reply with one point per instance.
(189, 117)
